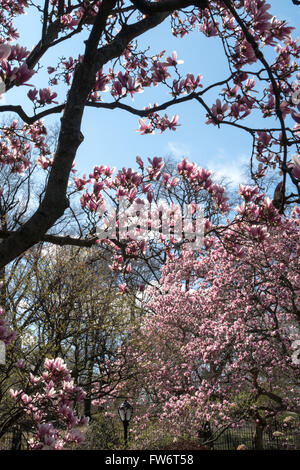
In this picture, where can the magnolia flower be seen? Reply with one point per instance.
(185, 167)
(75, 436)
(20, 364)
(296, 96)
(296, 160)
(123, 288)
(46, 96)
(25, 398)
(54, 365)
(23, 74)
(68, 21)
(166, 178)
(157, 163)
(14, 393)
(33, 379)
(165, 123)
(140, 162)
(172, 61)
(18, 53)
(44, 162)
(144, 128)
(159, 72)
(217, 112)
(5, 51)
(80, 182)
(44, 429)
(32, 94)
(295, 166)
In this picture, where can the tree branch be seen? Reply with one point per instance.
(57, 239)
(55, 202)
(259, 55)
(30, 120)
(146, 7)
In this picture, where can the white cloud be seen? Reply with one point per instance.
(178, 149)
(222, 164)
(229, 167)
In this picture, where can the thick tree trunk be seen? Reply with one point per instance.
(87, 406)
(55, 201)
(259, 435)
(16, 438)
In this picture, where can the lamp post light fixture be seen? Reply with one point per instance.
(125, 412)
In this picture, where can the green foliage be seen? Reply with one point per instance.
(103, 433)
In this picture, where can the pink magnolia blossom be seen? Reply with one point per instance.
(165, 123)
(224, 334)
(172, 61)
(145, 128)
(218, 111)
(68, 21)
(18, 53)
(123, 288)
(159, 72)
(44, 162)
(296, 160)
(23, 74)
(46, 96)
(53, 401)
(5, 50)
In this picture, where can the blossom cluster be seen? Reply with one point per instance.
(221, 327)
(47, 402)
(137, 71)
(132, 193)
(17, 143)
(20, 73)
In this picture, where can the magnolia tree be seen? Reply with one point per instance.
(219, 343)
(112, 66)
(47, 402)
(113, 60)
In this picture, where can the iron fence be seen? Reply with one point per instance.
(276, 436)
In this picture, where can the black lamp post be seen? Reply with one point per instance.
(125, 412)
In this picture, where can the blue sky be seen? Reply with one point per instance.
(111, 137)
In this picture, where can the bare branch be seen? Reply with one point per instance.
(30, 120)
(147, 7)
(55, 201)
(275, 87)
(58, 239)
